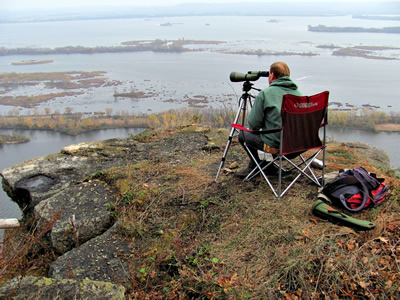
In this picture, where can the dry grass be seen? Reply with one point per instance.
(388, 127)
(24, 250)
(199, 239)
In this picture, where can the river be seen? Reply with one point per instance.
(174, 77)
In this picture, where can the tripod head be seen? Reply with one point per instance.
(247, 86)
(245, 100)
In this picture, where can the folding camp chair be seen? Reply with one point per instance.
(302, 118)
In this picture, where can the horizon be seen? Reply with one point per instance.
(49, 11)
(25, 5)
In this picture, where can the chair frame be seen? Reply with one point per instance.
(288, 154)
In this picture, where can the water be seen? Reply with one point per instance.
(287, 31)
(387, 141)
(175, 77)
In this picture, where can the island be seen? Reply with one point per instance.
(13, 139)
(32, 62)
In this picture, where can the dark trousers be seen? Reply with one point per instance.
(254, 142)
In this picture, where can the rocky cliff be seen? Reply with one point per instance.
(70, 191)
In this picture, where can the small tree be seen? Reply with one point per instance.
(153, 121)
(109, 111)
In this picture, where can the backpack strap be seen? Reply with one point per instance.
(361, 177)
(368, 179)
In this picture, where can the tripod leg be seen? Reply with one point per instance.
(242, 107)
(225, 152)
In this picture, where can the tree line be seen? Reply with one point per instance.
(364, 119)
(323, 28)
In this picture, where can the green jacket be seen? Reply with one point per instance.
(266, 111)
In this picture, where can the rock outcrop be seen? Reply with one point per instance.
(59, 189)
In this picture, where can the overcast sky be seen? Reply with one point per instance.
(39, 4)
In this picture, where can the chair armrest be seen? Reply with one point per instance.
(323, 124)
(240, 127)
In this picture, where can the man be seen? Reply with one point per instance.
(266, 114)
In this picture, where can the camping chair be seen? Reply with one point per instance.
(302, 117)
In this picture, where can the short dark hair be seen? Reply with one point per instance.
(279, 69)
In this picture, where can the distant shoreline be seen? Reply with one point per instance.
(323, 28)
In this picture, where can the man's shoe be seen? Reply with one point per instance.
(243, 172)
(273, 169)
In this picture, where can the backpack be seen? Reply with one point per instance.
(356, 189)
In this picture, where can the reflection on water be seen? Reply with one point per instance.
(37, 183)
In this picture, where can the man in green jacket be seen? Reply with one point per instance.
(266, 114)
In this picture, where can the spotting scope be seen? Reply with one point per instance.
(249, 76)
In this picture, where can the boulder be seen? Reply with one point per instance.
(37, 179)
(103, 258)
(80, 213)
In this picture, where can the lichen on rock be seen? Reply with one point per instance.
(46, 288)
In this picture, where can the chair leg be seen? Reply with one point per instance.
(259, 169)
(302, 171)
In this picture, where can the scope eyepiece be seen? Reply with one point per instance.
(249, 76)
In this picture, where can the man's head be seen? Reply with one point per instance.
(277, 70)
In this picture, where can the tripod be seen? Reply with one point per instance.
(243, 101)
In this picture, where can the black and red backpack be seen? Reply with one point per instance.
(356, 189)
